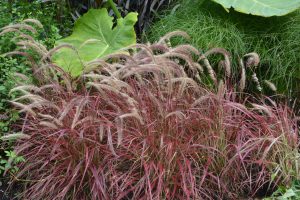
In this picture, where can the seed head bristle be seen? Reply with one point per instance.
(34, 65)
(48, 124)
(50, 118)
(263, 108)
(242, 84)
(67, 108)
(26, 88)
(144, 51)
(34, 46)
(98, 64)
(168, 36)
(256, 81)
(21, 76)
(10, 30)
(178, 114)
(56, 49)
(78, 111)
(119, 56)
(226, 63)
(186, 58)
(20, 27)
(23, 36)
(270, 85)
(35, 22)
(211, 72)
(252, 59)
(185, 49)
(32, 97)
(24, 108)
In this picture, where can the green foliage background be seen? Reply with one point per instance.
(54, 30)
(16, 12)
(275, 39)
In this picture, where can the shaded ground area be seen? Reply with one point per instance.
(6, 194)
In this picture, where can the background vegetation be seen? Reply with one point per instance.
(12, 12)
(275, 39)
(16, 12)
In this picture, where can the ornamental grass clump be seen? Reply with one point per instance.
(144, 126)
(275, 39)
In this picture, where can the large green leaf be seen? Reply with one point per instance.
(94, 37)
(264, 8)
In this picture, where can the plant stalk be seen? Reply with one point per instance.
(114, 8)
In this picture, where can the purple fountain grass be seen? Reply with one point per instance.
(143, 126)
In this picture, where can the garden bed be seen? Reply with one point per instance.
(205, 106)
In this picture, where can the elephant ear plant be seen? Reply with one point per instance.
(265, 8)
(141, 124)
(94, 37)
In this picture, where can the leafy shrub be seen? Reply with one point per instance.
(13, 12)
(8, 115)
(287, 193)
(44, 12)
(16, 12)
(7, 69)
(10, 163)
(143, 126)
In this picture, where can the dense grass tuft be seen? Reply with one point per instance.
(275, 39)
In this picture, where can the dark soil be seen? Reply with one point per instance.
(5, 193)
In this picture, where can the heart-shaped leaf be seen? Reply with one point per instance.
(94, 37)
(265, 8)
